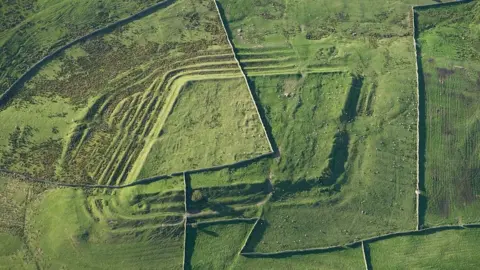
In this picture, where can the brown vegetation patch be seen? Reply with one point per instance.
(466, 186)
(443, 74)
(478, 81)
(444, 208)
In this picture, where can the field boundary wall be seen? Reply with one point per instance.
(185, 220)
(34, 68)
(420, 93)
(366, 260)
(243, 75)
(144, 181)
(358, 243)
(222, 221)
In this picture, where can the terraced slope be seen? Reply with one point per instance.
(207, 128)
(331, 149)
(110, 96)
(110, 229)
(364, 183)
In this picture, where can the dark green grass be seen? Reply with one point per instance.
(206, 128)
(29, 30)
(450, 61)
(100, 103)
(358, 179)
(455, 249)
(348, 197)
(304, 113)
(217, 246)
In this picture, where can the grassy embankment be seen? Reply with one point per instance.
(101, 104)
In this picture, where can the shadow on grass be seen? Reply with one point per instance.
(190, 246)
(251, 84)
(256, 236)
(422, 131)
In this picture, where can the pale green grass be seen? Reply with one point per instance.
(64, 234)
(105, 97)
(455, 249)
(207, 127)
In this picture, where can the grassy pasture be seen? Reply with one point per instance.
(207, 127)
(217, 246)
(450, 61)
(251, 173)
(455, 249)
(342, 196)
(304, 113)
(239, 200)
(336, 85)
(109, 229)
(106, 99)
(364, 183)
(29, 30)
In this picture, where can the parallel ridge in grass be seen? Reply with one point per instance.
(113, 233)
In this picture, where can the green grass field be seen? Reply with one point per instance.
(345, 259)
(322, 152)
(341, 196)
(14, 197)
(450, 57)
(102, 103)
(29, 30)
(110, 230)
(215, 129)
(217, 246)
(442, 250)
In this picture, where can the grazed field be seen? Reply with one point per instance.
(442, 250)
(215, 129)
(31, 29)
(14, 197)
(332, 200)
(316, 148)
(110, 229)
(102, 103)
(450, 61)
